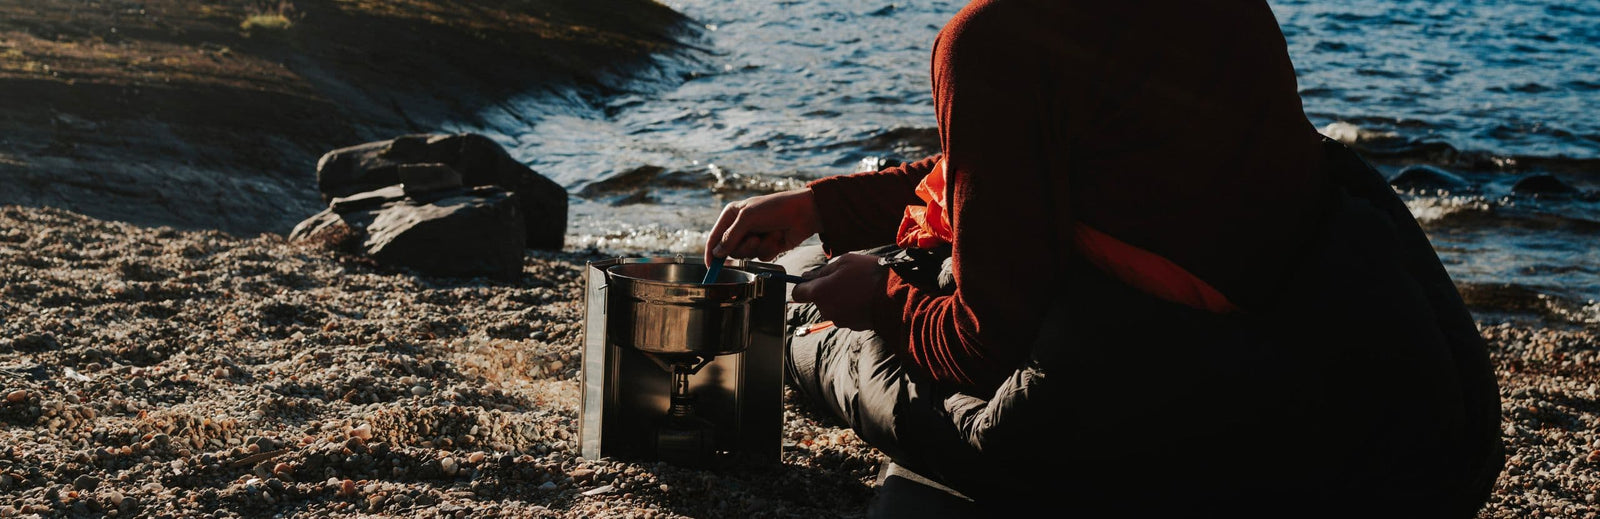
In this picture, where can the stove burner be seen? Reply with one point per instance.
(681, 437)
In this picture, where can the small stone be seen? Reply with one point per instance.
(282, 470)
(476, 457)
(419, 390)
(364, 432)
(114, 497)
(375, 502)
(347, 488)
(581, 475)
(449, 466)
(1594, 456)
(86, 482)
(17, 396)
(548, 486)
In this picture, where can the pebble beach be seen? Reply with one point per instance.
(162, 373)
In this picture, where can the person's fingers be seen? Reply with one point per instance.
(821, 271)
(730, 214)
(816, 284)
(733, 238)
(749, 247)
(802, 293)
(807, 292)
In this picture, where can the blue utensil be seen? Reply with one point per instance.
(712, 270)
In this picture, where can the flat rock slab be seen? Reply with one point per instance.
(465, 232)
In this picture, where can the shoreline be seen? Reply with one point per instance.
(201, 116)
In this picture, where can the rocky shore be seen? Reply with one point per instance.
(154, 372)
(211, 115)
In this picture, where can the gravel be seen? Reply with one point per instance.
(148, 371)
(1550, 407)
(154, 372)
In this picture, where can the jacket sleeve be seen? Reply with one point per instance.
(863, 210)
(1001, 122)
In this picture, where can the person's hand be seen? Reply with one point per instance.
(764, 226)
(843, 290)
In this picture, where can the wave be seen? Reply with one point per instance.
(653, 184)
(1390, 146)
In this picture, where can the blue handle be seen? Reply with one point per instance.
(713, 270)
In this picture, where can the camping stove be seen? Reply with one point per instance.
(681, 372)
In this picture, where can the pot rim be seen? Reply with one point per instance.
(612, 271)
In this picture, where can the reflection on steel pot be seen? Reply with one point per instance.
(663, 308)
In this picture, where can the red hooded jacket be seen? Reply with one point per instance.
(1167, 132)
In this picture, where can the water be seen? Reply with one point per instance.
(783, 92)
(1505, 77)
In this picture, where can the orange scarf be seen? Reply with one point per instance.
(927, 226)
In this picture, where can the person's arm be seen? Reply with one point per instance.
(850, 212)
(863, 210)
(1001, 117)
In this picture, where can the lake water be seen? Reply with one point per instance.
(781, 92)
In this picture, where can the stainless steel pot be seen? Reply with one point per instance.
(664, 309)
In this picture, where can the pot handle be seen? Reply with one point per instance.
(786, 278)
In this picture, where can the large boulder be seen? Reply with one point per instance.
(460, 231)
(479, 161)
